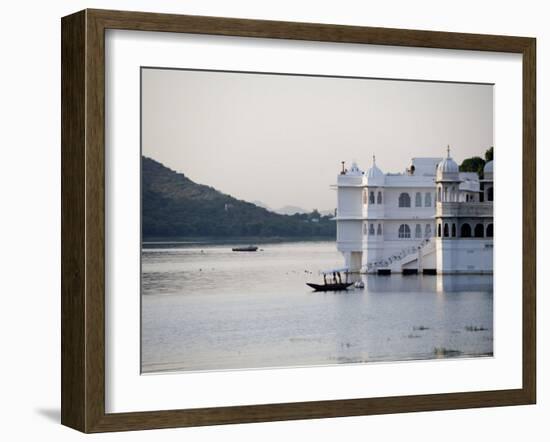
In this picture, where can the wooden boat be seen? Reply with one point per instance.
(330, 287)
(334, 284)
(245, 249)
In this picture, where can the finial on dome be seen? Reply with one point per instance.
(373, 159)
(448, 151)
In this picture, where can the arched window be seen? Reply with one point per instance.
(489, 230)
(404, 200)
(404, 231)
(490, 194)
(418, 200)
(439, 194)
(379, 198)
(479, 230)
(371, 197)
(466, 231)
(453, 230)
(379, 230)
(428, 231)
(365, 231)
(371, 229)
(446, 230)
(439, 230)
(428, 199)
(452, 195)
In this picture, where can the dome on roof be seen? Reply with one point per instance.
(447, 168)
(354, 169)
(488, 171)
(374, 174)
(448, 165)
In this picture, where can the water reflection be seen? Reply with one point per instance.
(428, 283)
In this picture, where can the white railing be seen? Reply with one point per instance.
(383, 263)
(464, 209)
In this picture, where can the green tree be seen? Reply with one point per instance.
(489, 154)
(474, 164)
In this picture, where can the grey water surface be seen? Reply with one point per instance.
(205, 307)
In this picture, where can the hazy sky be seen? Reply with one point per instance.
(280, 139)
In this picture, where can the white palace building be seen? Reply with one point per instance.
(429, 219)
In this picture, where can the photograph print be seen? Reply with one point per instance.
(305, 220)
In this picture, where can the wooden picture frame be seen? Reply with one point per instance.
(83, 220)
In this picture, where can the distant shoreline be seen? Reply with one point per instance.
(236, 240)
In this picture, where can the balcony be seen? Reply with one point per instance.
(453, 209)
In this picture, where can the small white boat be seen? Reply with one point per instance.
(359, 285)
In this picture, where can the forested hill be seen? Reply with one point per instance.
(175, 206)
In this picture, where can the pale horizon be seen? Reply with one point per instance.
(280, 139)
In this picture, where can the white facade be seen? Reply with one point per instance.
(427, 219)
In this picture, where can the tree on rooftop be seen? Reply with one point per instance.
(474, 164)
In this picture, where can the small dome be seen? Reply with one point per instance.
(488, 171)
(447, 169)
(374, 172)
(448, 165)
(354, 169)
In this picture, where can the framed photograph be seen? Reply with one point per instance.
(269, 220)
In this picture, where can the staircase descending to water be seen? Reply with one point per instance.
(408, 252)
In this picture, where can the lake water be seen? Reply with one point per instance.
(205, 307)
